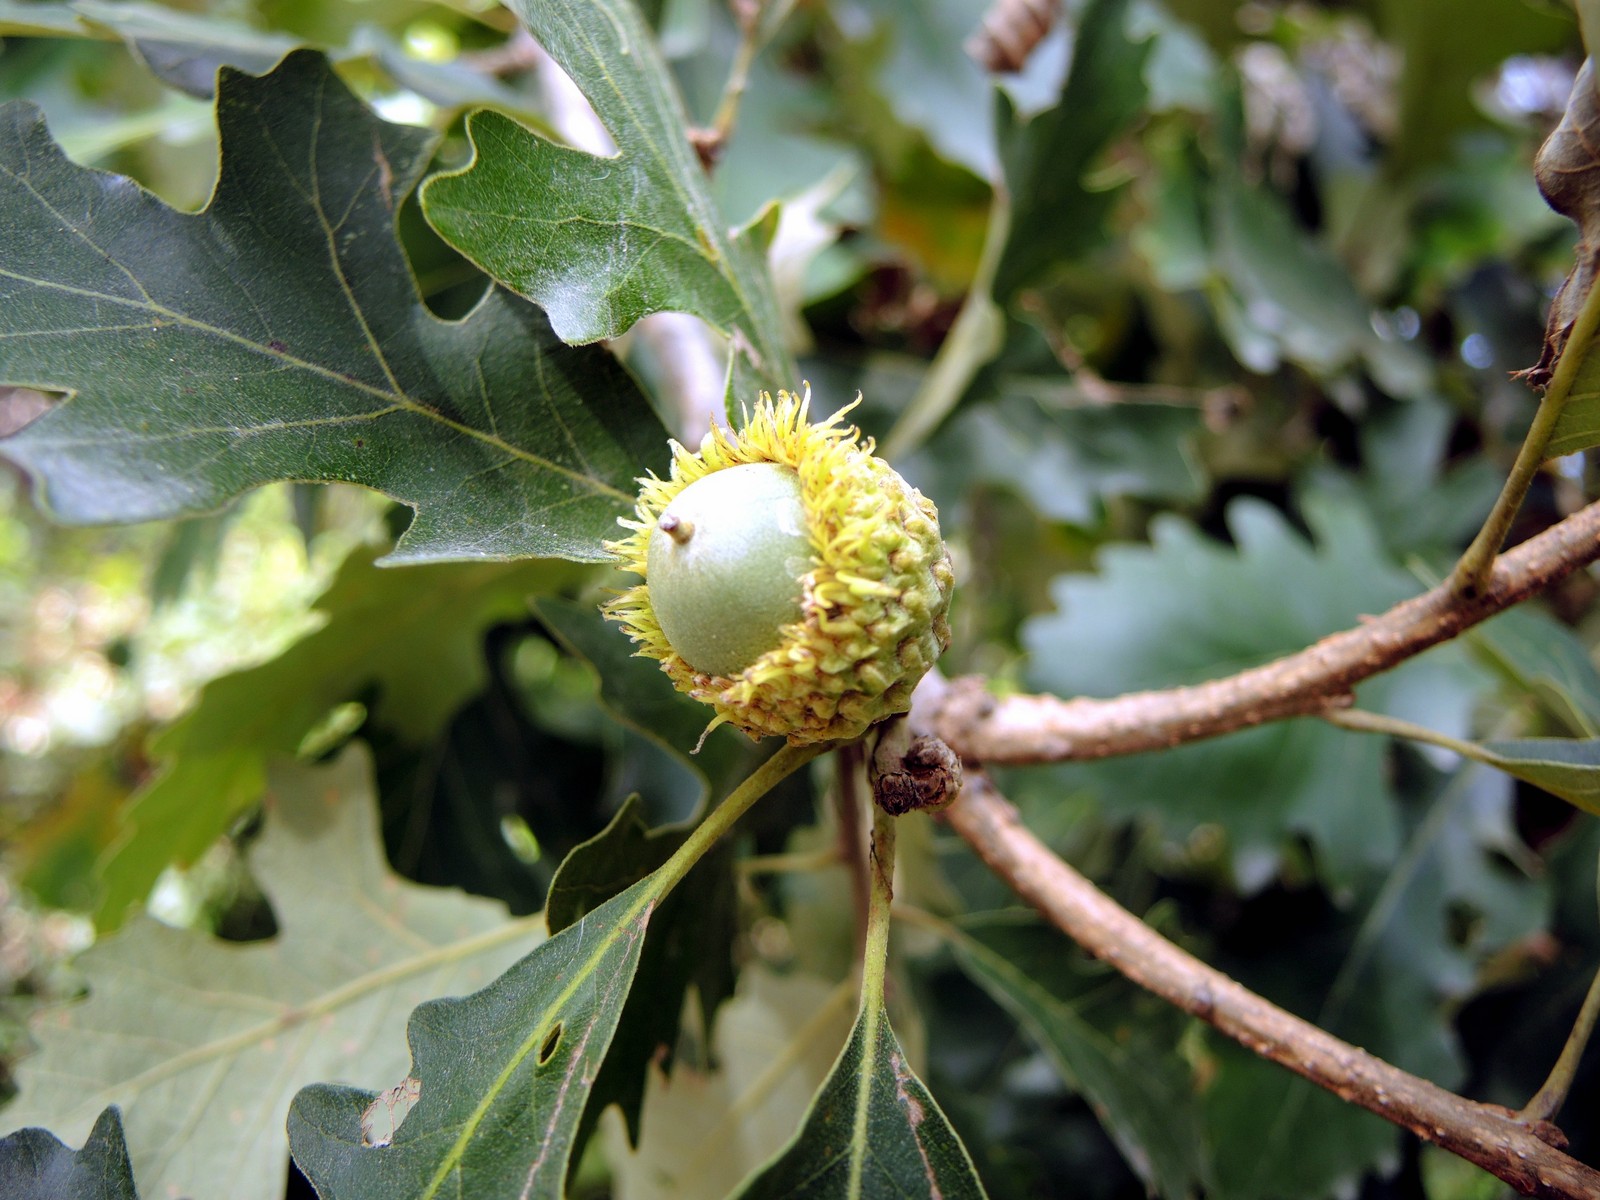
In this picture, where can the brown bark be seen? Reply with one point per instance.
(1522, 1153)
(1036, 729)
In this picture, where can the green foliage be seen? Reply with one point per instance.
(202, 1043)
(216, 755)
(1199, 330)
(1141, 1094)
(689, 943)
(503, 1075)
(873, 1132)
(36, 1166)
(1561, 766)
(1187, 608)
(278, 336)
(600, 242)
(1055, 216)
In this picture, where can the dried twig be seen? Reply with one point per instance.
(1034, 729)
(1524, 1153)
(1010, 31)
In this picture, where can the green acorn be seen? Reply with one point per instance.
(793, 581)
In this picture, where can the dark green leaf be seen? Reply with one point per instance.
(1392, 983)
(1561, 766)
(1142, 1097)
(1187, 609)
(35, 1165)
(1054, 215)
(279, 335)
(609, 863)
(494, 801)
(1579, 426)
(1069, 461)
(600, 242)
(407, 642)
(638, 693)
(1288, 297)
(873, 1132)
(503, 1076)
(203, 1042)
(1278, 1137)
(690, 942)
(929, 81)
(1418, 502)
(1542, 656)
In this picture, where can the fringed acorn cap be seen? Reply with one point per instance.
(840, 647)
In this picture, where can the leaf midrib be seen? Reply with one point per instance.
(397, 399)
(294, 1015)
(537, 1032)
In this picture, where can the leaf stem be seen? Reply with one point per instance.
(973, 340)
(874, 968)
(721, 819)
(1471, 575)
(1547, 1101)
(1363, 721)
(875, 961)
(850, 843)
(758, 20)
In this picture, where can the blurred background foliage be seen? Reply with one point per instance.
(1269, 267)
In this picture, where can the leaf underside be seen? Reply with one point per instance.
(214, 757)
(203, 1042)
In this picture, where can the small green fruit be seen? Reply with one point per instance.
(793, 581)
(726, 558)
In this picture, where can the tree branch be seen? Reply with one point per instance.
(1524, 1153)
(1035, 729)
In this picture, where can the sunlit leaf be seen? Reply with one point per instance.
(203, 1042)
(405, 642)
(279, 335)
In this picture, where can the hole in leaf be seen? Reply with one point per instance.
(388, 1109)
(1464, 923)
(21, 406)
(551, 1041)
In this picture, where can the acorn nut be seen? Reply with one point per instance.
(793, 581)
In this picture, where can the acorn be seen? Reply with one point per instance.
(793, 581)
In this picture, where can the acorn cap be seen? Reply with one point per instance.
(866, 604)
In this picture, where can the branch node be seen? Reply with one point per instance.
(912, 771)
